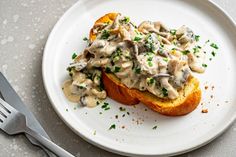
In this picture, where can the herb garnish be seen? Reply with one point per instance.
(214, 46)
(105, 106)
(113, 126)
(150, 63)
(137, 38)
(74, 56)
(173, 31)
(150, 81)
(164, 92)
(155, 127)
(108, 70)
(85, 39)
(117, 69)
(197, 37)
(149, 59)
(105, 34)
(165, 59)
(185, 52)
(213, 53)
(204, 65)
(125, 20)
(196, 49)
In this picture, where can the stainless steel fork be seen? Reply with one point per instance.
(13, 122)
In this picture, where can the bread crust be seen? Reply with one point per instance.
(188, 100)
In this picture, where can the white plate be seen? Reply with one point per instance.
(174, 135)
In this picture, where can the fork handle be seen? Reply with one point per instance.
(48, 144)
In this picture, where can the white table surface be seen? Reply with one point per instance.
(24, 28)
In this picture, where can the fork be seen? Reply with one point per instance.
(13, 122)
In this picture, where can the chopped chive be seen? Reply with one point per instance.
(85, 39)
(213, 53)
(105, 105)
(108, 70)
(154, 128)
(117, 69)
(204, 65)
(105, 34)
(137, 38)
(164, 92)
(150, 81)
(125, 20)
(165, 59)
(150, 63)
(108, 108)
(214, 46)
(113, 126)
(173, 31)
(149, 59)
(197, 37)
(74, 56)
(185, 52)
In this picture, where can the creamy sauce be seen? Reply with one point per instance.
(148, 57)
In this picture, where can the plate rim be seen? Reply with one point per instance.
(110, 149)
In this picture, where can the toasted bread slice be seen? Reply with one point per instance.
(188, 100)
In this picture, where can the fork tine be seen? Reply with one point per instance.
(2, 113)
(6, 106)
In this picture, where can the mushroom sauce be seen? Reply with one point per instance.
(150, 57)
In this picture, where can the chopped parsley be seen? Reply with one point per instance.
(85, 39)
(196, 49)
(108, 108)
(113, 126)
(197, 37)
(117, 69)
(149, 43)
(108, 70)
(164, 92)
(173, 31)
(137, 38)
(105, 106)
(213, 53)
(185, 52)
(214, 46)
(149, 59)
(165, 59)
(155, 127)
(125, 20)
(204, 65)
(74, 56)
(150, 81)
(150, 63)
(105, 34)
